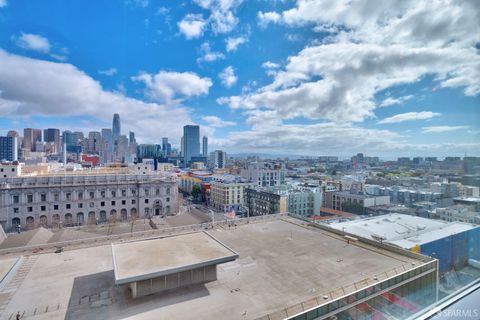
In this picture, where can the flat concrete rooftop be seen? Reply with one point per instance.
(281, 263)
(147, 259)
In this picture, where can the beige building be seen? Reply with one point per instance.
(81, 197)
(225, 195)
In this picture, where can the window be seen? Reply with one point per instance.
(134, 192)
(15, 210)
(55, 207)
(124, 193)
(92, 204)
(133, 201)
(102, 204)
(68, 206)
(146, 192)
(68, 196)
(146, 200)
(80, 205)
(168, 190)
(80, 196)
(147, 211)
(168, 199)
(114, 194)
(92, 194)
(29, 209)
(16, 199)
(56, 197)
(29, 198)
(113, 203)
(43, 208)
(157, 192)
(43, 197)
(124, 202)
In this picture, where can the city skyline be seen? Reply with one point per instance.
(277, 78)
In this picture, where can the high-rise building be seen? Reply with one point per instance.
(12, 133)
(94, 142)
(116, 127)
(108, 143)
(166, 147)
(205, 146)
(182, 147)
(131, 137)
(148, 151)
(30, 137)
(53, 137)
(218, 159)
(123, 152)
(8, 149)
(191, 143)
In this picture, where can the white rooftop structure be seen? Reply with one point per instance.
(403, 230)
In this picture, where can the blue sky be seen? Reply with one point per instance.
(281, 77)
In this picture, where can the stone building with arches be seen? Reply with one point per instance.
(78, 199)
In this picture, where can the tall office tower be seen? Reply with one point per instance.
(12, 133)
(30, 137)
(205, 146)
(8, 149)
(115, 127)
(52, 136)
(122, 149)
(182, 147)
(131, 137)
(166, 147)
(191, 143)
(94, 142)
(68, 138)
(107, 138)
(218, 159)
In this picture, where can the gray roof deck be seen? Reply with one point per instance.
(141, 260)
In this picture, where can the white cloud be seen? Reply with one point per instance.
(392, 101)
(222, 17)
(228, 77)
(167, 85)
(215, 121)
(270, 65)
(33, 42)
(374, 46)
(438, 129)
(208, 55)
(409, 116)
(3, 3)
(108, 72)
(264, 18)
(192, 26)
(31, 87)
(233, 43)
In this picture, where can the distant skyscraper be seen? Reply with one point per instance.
(131, 137)
(166, 147)
(116, 127)
(191, 143)
(52, 136)
(107, 138)
(8, 149)
(123, 152)
(218, 159)
(205, 146)
(94, 142)
(30, 138)
(12, 133)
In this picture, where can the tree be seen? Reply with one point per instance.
(196, 192)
